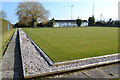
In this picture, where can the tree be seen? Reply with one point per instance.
(91, 21)
(32, 11)
(79, 22)
(3, 14)
(110, 20)
(51, 23)
(100, 23)
(117, 22)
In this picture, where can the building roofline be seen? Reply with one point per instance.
(68, 20)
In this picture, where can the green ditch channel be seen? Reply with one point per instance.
(20, 57)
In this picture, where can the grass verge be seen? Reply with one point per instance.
(5, 37)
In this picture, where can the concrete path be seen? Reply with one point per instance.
(11, 62)
(106, 72)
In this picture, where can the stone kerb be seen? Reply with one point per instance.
(20, 41)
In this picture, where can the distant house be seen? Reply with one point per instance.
(68, 23)
(58, 23)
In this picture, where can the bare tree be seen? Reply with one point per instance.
(32, 11)
(3, 14)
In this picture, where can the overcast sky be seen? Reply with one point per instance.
(61, 9)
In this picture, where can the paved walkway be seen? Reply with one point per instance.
(11, 62)
(109, 71)
(105, 72)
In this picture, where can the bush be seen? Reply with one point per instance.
(91, 21)
(79, 22)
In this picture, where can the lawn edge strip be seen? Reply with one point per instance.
(76, 68)
(20, 41)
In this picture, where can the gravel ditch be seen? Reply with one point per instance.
(34, 63)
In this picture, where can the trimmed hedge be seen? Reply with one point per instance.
(5, 25)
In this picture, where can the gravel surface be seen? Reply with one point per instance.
(34, 63)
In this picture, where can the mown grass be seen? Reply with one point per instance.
(5, 37)
(63, 44)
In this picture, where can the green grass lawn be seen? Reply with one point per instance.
(63, 44)
(5, 37)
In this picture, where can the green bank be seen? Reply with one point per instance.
(6, 36)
